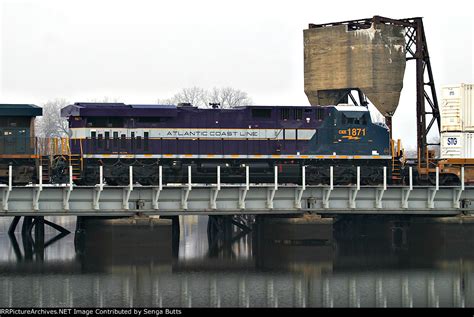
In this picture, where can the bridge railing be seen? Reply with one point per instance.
(222, 198)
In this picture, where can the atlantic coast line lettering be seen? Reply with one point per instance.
(212, 133)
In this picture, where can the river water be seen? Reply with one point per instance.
(369, 263)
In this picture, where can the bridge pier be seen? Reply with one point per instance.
(39, 237)
(293, 228)
(175, 233)
(219, 227)
(223, 231)
(13, 225)
(283, 242)
(110, 240)
(26, 227)
(33, 246)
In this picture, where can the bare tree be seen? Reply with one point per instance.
(165, 101)
(229, 97)
(51, 124)
(103, 100)
(376, 115)
(194, 95)
(434, 139)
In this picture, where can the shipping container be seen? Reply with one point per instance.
(457, 145)
(457, 112)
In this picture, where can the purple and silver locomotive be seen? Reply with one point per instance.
(117, 136)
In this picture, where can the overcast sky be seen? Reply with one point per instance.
(138, 51)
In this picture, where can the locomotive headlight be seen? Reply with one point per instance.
(308, 120)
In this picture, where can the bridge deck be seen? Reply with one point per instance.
(217, 199)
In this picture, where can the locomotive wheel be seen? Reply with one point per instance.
(318, 175)
(91, 176)
(154, 179)
(346, 177)
(444, 179)
(375, 177)
(313, 177)
(448, 179)
(145, 181)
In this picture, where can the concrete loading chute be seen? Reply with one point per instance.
(370, 55)
(339, 57)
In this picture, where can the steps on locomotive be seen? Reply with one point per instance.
(397, 156)
(396, 170)
(45, 171)
(75, 162)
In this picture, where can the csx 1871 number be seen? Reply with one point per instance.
(353, 132)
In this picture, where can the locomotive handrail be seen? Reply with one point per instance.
(82, 155)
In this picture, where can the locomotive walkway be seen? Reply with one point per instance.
(224, 199)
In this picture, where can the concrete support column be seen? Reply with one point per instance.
(39, 237)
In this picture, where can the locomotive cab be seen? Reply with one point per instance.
(18, 146)
(17, 129)
(349, 130)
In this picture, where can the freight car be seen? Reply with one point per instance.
(118, 135)
(18, 145)
(457, 132)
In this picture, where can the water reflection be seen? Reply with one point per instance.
(33, 248)
(369, 263)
